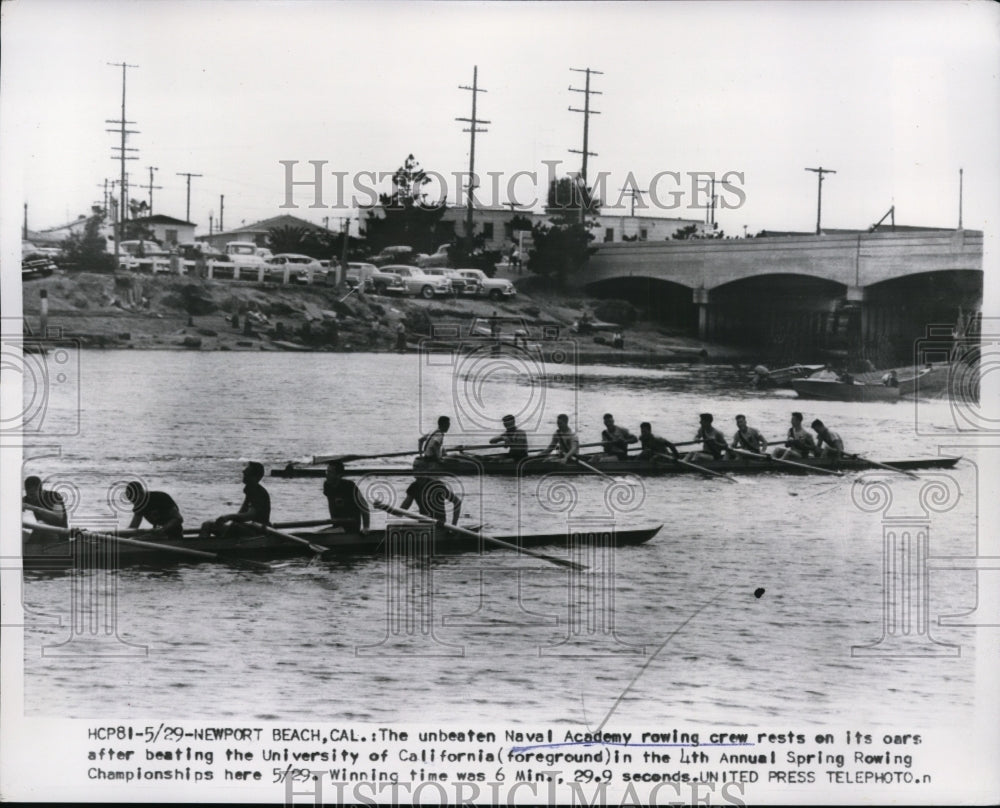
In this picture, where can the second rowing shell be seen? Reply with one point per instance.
(468, 466)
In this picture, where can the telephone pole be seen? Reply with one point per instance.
(151, 187)
(819, 191)
(632, 192)
(473, 122)
(959, 199)
(187, 214)
(587, 112)
(122, 157)
(222, 208)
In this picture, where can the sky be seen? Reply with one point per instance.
(894, 97)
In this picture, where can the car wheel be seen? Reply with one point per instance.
(427, 293)
(495, 294)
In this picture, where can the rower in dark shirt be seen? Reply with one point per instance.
(256, 507)
(653, 446)
(431, 493)
(347, 504)
(156, 507)
(713, 441)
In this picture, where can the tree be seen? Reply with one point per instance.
(570, 194)
(561, 248)
(88, 250)
(405, 217)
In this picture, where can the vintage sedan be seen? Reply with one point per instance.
(412, 281)
(493, 288)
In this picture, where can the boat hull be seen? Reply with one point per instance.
(842, 391)
(103, 553)
(465, 467)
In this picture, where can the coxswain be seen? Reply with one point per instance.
(616, 439)
(513, 438)
(47, 506)
(799, 442)
(431, 493)
(348, 506)
(653, 446)
(889, 379)
(834, 447)
(564, 441)
(256, 507)
(431, 445)
(748, 438)
(713, 442)
(156, 507)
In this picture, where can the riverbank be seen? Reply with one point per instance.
(167, 312)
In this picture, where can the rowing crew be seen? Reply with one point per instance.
(616, 441)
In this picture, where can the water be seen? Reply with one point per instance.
(309, 641)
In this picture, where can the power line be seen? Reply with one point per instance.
(187, 215)
(152, 187)
(122, 156)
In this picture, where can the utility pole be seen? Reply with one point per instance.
(819, 191)
(632, 192)
(187, 214)
(210, 231)
(587, 112)
(959, 199)
(24, 230)
(122, 156)
(714, 197)
(473, 122)
(342, 274)
(222, 207)
(151, 187)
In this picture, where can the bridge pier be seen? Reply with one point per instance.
(700, 297)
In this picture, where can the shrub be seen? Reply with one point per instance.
(616, 311)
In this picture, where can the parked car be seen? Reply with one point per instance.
(399, 255)
(133, 252)
(360, 274)
(493, 288)
(298, 267)
(460, 285)
(246, 261)
(438, 258)
(411, 280)
(193, 250)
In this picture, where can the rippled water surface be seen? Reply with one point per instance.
(311, 641)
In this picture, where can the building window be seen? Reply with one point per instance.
(170, 236)
(609, 234)
(643, 232)
(488, 231)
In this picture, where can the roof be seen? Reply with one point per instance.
(159, 218)
(265, 225)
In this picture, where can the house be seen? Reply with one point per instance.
(167, 230)
(258, 232)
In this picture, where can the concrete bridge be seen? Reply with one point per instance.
(723, 282)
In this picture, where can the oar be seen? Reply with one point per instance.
(40, 511)
(769, 458)
(883, 466)
(695, 466)
(597, 471)
(73, 533)
(270, 531)
(462, 531)
(318, 460)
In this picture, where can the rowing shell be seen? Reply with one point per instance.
(468, 466)
(63, 555)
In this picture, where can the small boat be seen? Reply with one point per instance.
(470, 466)
(763, 378)
(868, 388)
(60, 554)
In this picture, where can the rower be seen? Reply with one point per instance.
(348, 507)
(156, 507)
(431, 493)
(653, 445)
(564, 441)
(799, 442)
(47, 506)
(748, 438)
(713, 441)
(615, 439)
(513, 438)
(431, 445)
(834, 444)
(256, 507)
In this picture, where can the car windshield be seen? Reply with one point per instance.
(241, 250)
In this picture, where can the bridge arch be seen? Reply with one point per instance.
(657, 299)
